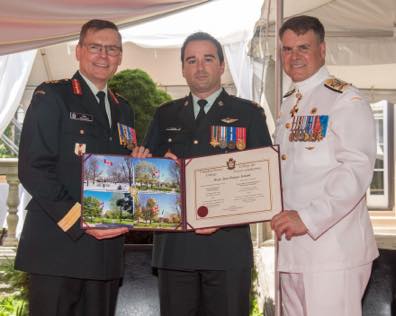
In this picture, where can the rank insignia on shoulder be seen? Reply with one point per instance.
(289, 93)
(336, 85)
(80, 149)
(229, 120)
(81, 117)
(39, 92)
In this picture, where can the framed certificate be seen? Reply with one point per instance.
(234, 188)
(164, 194)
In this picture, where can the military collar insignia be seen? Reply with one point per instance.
(186, 102)
(336, 85)
(289, 93)
(76, 86)
(116, 101)
(229, 120)
(220, 103)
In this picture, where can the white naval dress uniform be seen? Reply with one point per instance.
(325, 179)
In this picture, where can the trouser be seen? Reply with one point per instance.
(326, 293)
(204, 292)
(63, 296)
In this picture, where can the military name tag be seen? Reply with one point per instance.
(173, 129)
(81, 117)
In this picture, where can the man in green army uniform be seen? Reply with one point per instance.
(72, 271)
(208, 271)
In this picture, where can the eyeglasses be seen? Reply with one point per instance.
(111, 50)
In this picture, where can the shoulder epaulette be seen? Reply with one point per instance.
(336, 85)
(61, 81)
(41, 89)
(250, 102)
(289, 93)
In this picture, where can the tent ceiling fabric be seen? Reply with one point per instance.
(27, 24)
(170, 31)
(358, 32)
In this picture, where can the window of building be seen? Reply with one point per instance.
(379, 194)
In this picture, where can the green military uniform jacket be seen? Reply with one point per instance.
(173, 128)
(62, 119)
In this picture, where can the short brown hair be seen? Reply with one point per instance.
(202, 36)
(302, 24)
(97, 25)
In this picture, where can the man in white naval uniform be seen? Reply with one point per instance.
(328, 147)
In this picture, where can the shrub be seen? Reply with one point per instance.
(142, 94)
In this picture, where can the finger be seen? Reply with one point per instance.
(135, 152)
(147, 153)
(281, 229)
(141, 149)
(206, 231)
(279, 221)
(170, 155)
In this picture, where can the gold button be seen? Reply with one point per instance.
(284, 157)
(82, 132)
(288, 125)
(195, 142)
(169, 140)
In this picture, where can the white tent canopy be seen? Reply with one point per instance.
(27, 24)
(221, 18)
(358, 32)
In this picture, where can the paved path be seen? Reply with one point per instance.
(138, 295)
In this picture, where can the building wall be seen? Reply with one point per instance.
(163, 66)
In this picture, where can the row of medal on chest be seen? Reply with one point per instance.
(308, 128)
(230, 137)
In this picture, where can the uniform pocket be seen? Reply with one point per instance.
(79, 137)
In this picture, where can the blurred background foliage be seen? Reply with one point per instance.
(142, 93)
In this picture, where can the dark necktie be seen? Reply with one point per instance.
(102, 104)
(201, 114)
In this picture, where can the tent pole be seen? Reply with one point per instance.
(278, 64)
(278, 100)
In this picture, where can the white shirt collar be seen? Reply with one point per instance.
(316, 79)
(92, 86)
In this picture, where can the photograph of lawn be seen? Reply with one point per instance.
(126, 191)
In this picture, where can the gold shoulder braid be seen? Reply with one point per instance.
(336, 85)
